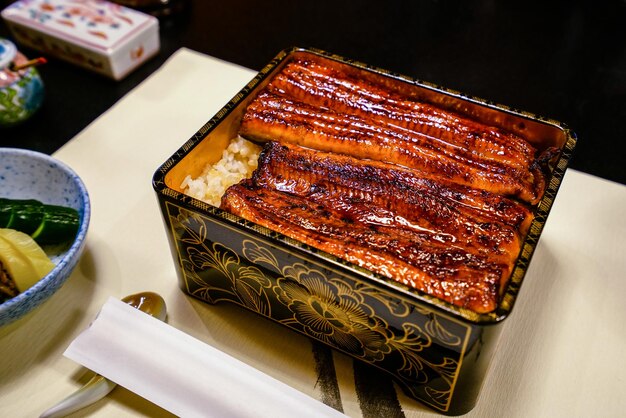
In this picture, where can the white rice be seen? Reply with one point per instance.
(238, 161)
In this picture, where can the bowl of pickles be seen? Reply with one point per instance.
(44, 218)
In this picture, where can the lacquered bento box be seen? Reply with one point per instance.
(438, 353)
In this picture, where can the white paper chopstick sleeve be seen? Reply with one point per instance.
(180, 373)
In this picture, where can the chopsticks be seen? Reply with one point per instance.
(30, 63)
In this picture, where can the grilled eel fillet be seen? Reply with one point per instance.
(447, 240)
(316, 84)
(393, 184)
(323, 108)
(393, 195)
(453, 275)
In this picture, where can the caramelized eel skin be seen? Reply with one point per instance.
(271, 117)
(366, 172)
(294, 169)
(398, 128)
(454, 275)
(382, 194)
(315, 84)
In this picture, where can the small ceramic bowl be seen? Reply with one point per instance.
(28, 174)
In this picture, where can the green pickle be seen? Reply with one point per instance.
(57, 226)
(6, 214)
(46, 224)
(27, 215)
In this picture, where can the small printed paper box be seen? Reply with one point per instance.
(101, 36)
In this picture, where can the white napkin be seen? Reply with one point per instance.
(180, 373)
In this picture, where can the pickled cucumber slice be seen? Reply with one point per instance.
(46, 224)
(6, 214)
(27, 216)
(58, 225)
(22, 257)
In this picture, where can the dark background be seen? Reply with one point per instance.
(561, 59)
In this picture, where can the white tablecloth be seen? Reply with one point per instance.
(563, 350)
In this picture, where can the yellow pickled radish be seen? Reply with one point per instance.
(24, 259)
(17, 266)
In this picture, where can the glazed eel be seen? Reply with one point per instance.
(309, 104)
(372, 175)
(375, 192)
(461, 278)
(316, 84)
(276, 118)
(440, 238)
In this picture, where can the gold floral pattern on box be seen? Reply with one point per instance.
(345, 313)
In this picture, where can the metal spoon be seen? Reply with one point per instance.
(98, 387)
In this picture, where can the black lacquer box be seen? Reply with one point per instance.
(438, 353)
